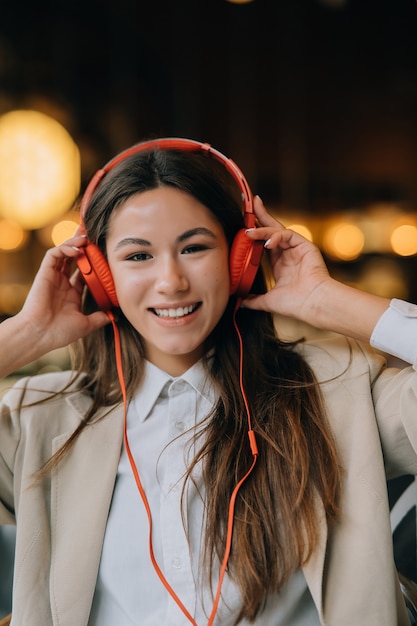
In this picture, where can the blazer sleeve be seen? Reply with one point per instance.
(9, 441)
(358, 385)
(394, 394)
(27, 428)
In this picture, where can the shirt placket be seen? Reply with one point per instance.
(175, 546)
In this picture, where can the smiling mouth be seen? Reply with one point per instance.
(177, 312)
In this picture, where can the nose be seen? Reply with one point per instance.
(171, 277)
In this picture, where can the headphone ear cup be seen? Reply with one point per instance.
(96, 273)
(245, 259)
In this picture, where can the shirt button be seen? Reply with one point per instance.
(176, 563)
(178, 386)
(179, 425)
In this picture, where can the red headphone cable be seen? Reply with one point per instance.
(254, 449)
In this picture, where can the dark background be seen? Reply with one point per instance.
(317, 104)
(316, 100)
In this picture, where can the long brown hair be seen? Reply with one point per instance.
(276, 522)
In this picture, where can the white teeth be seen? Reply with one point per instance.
(179, 312)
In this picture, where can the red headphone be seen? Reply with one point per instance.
(245, 254)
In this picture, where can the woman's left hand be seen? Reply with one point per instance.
(298, 268)
(304, 289)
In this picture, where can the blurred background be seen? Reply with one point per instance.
(316, 100)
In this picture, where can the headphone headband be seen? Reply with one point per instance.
(245, 254)
(184, 145)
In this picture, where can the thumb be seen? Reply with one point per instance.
(97, 320)
(254, 302)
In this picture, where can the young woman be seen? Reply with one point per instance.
(209, 473)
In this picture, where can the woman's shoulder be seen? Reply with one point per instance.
(40, 387)
(335, 355)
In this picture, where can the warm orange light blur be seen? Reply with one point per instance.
(343, 241)
(12, 235)
(57, 232)
(39, 168)
(62, 231)
(404, 240)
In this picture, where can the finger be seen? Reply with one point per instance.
(271, 236)
(254, 302)
(285, 238)
(78, 240)
(263, 217)
(77, 281)
(98, 319)
(69, 249)
(80, 231)
(267, 225)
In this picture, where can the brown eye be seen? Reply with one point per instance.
(194, 248)
(139, 256)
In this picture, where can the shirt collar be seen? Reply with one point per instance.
(155, 382)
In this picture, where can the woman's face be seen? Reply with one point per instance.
(169, 259)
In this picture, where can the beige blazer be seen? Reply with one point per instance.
(61, 523)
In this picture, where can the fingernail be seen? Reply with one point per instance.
(267, 242)
(248, 230)
(75, 248)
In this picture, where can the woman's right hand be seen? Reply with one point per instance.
(51, 316)
(53, 305)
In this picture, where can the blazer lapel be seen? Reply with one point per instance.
(314, 568)
(81, 491)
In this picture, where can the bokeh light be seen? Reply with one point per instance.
(343, 241)
(39, 168)
(12, 235)
(62, 231)
(404, 240)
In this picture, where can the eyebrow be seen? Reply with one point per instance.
(183, 237)
(127, 241)
(196, 231)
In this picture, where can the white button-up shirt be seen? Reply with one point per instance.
(161, 422)
(396, 331)
(128, 592)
